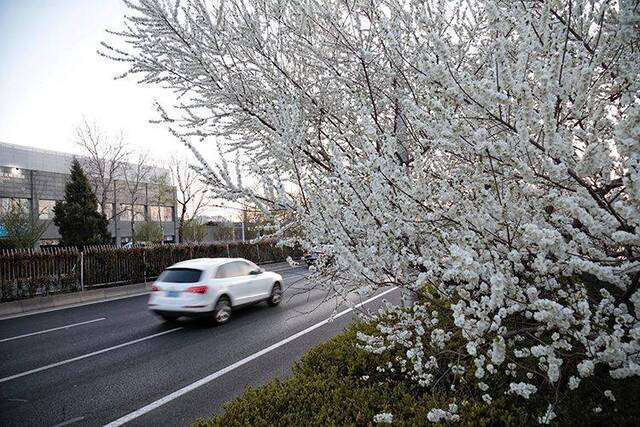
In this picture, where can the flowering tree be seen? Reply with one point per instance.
(483, 154)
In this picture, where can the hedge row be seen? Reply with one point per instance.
(24, 274)
(336, 383)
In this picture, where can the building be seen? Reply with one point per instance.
(36, 178)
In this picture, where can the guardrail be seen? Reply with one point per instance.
(29, 273)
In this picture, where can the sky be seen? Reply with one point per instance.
(51, 78)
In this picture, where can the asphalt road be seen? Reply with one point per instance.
(117, 362)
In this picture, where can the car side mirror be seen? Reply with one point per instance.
(256, 272)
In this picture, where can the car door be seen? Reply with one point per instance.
(254, 283)
(227, 276)
(237, 281)
(260, 282)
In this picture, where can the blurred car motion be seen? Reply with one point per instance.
(212, 288)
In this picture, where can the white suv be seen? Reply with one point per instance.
(211, 287)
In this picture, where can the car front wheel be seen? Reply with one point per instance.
(222, 313)
(276, 295)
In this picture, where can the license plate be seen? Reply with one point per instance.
(173, 294)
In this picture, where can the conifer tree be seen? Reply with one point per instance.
(77, 217)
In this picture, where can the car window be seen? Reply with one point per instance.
(221, 271)
(231, 269)
(247, 267)
(180, 275)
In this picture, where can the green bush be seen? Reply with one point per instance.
(329, 387)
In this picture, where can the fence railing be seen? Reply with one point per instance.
(29, 273)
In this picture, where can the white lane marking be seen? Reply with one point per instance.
(84, 356)
(71, 421)
(168, 398)
(52, 329)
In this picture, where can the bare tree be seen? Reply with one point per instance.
(149, 231)
(192, 197)
(194, 230)
(106, 157)
(135, 174)
(162, 195)
(22, 226)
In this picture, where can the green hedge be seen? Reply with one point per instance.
(329, 387)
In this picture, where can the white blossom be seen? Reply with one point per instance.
(383, 418)
(437, 415)
(585, 368)
(548, 416)
(609, 395)
(483, 155)
(522, 389)
(574, 382)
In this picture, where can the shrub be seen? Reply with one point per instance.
(329, 386)
(148, 231)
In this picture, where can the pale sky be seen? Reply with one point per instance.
(51, 77)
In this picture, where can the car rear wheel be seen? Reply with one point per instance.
(222, 313)
(276, 295)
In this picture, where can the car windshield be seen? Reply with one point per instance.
(180, 275)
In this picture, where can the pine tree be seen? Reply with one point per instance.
(77, 216)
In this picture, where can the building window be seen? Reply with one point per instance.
(161, 213)
(46, 208)
(138, 211)
(7, 204)
(154, 213)
(137, 214)
(9, 172)
(168, 213)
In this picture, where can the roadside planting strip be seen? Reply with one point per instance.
(203, 381)
(52, 329)
(84, 356)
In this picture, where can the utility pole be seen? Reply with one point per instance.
(244, 218)
(116, 215)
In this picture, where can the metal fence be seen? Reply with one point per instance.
(29, 273)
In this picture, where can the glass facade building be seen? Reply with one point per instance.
(35, 179)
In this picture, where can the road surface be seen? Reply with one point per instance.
(114, 362)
